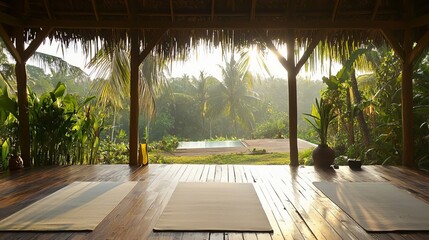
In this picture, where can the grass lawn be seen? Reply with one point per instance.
(260, 159)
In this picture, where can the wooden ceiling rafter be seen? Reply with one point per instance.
(212, 13)
(10, 20)
(334, 11)
(281, 25)
(253, 10)
(375, 10)
(308, 51)
(9, 45)
(151, 43)
(419, 47)
(127, 6)
(48, 8)
(172, 10)
(32, 47)
(94, 7)
(394, 42)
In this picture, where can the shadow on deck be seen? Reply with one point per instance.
(295, 208)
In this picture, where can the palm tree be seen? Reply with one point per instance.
(234, 97)
(112, 68)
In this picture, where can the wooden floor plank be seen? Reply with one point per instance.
(294, 206)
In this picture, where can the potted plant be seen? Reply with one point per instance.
(321, 117)
(354, 157)
(15, 160)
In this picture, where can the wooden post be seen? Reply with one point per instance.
(292, 70)
(21, 55)
(408, 55)
(293, 105)
(407, 101)
(24, 123)
(407, 115)
(134, 95)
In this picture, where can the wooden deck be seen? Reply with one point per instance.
(295, 208)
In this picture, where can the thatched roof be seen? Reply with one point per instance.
(214, 21)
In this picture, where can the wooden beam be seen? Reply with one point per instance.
(314, 41)
(375, 10)
(334, 11)
(36, 43)
(23, 116)
(253, 10)
(420, 21)
(407, 92)
(127, 5)
(152, 41)
(212, 11)
(239, 24)
(421, 45)
(94, 7)
(134, 97)
(289, 65)
(394, 43)
(407, 105)
(171, 10)
(293, 105)
(47, 4)
(283, 61)
(10, 20)
(9, 44)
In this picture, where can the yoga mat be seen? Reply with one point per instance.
(378, 206)
(80, 206)
(214, 207)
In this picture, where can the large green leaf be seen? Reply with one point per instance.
(7, 104)
(59, 90)
(5, 148)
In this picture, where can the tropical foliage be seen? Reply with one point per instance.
(322, 115)
(69, 127)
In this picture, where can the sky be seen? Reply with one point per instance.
(200, 59)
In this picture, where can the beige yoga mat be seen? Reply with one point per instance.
(378, 206)
(79, 206)
(214, 207)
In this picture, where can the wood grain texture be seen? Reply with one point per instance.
(295, 208)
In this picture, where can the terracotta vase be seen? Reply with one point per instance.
(323, 156)
(15, 162)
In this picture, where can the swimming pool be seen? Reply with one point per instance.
(210, 144)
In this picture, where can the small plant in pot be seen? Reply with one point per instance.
(354, 157)
(15, 160)
(321, 116)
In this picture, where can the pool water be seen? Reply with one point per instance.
(210, 144)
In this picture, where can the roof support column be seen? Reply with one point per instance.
(137, 58)
(408, 55)
(134, 95)
(23, 121)
(293, 70)
(21, 55)
(293, 105)
(407, 102)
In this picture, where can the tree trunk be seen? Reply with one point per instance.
(112, 137)
(350, 127)
(360, 117)
(202, 126)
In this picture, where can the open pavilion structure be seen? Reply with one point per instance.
(171, 27)
(296, 209)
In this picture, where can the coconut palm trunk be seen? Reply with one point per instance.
(349, 124)
(359, 114)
